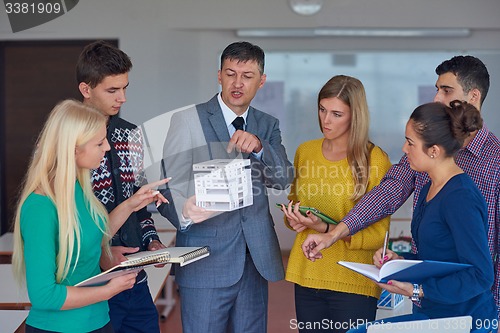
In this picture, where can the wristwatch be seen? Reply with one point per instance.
(416, 292)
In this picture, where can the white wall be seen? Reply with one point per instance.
(175, 44)
(175, 51)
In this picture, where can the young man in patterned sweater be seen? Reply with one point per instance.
(102, 74)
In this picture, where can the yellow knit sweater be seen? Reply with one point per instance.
(328, 186)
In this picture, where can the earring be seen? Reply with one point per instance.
(432, 156)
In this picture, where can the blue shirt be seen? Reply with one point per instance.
(452, 227)
(479, 159)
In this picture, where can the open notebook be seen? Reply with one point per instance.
(414, 271)
(138, 261)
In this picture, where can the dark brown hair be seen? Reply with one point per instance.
(471, 73)
(446, 126)
(244, 51)
(99, 60)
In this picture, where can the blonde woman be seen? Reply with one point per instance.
(332, 173)
(60, 225)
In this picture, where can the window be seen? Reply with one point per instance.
(395, 83)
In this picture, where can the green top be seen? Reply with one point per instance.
(40, 232)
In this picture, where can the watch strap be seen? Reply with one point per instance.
(416, 292)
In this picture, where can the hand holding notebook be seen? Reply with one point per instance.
(414, 271)
(140, 260)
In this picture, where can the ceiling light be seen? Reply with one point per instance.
(353, 32)
(306, 7)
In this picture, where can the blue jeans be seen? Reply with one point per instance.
(320, 310)
(134, 311)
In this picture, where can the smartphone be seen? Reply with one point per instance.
(314, 211)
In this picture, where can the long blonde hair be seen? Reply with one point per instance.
(53, 172)
(351, 91)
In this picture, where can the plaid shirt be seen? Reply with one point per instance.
(480, 159)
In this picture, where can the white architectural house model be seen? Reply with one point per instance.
(223, 184)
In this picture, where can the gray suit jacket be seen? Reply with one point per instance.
(198, 135)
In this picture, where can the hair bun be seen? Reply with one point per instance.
(465, 119)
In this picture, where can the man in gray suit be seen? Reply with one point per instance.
(227, 291)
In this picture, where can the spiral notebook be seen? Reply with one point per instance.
(140, 260)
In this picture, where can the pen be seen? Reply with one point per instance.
(385, 246)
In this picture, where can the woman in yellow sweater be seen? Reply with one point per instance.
(332, 173)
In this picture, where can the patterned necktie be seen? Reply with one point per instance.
(238, 123)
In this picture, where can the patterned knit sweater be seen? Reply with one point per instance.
(328, 186)
(120, 174)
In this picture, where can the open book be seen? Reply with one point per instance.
(414, 271)
(140, 260)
